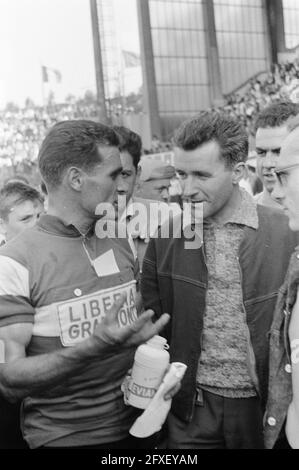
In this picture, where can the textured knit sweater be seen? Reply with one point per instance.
(223, 363)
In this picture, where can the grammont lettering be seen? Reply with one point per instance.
(148, 218)
(83, 317)
(295, 351)
(84, 329)
(111, 460)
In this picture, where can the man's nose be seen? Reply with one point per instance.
(270, 160)
(33, 221)
(278, 192)
(121, 186)
(189, 189)
(165, 195)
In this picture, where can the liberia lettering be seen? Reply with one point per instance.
(78, 318)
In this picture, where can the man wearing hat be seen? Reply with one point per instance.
(154, 178)
(151, 191)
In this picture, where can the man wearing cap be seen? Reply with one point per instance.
(282, 414)
(151, 191)
(271, 129)
(154, 180)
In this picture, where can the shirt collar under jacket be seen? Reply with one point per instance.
(246, 214)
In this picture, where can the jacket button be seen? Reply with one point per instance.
(271, 421)
(78, 292)
(288, 368)
(297, 256)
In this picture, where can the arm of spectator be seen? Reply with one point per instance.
(21, 376)
(292, 424)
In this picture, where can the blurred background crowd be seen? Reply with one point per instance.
(23, 129)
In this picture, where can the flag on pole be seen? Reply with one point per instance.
(48, 74)
(131, 59)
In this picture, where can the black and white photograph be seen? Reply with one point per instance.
(149, 229)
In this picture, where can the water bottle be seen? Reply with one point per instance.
(150, 364)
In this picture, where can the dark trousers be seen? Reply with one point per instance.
(10, 432)
(219, 423)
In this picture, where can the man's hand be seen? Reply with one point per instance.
(172, 392)
(137, 333)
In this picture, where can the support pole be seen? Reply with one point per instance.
(98, 62)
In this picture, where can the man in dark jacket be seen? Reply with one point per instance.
(221, 296)
(283, 401)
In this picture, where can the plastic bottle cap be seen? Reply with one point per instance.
(158, 342)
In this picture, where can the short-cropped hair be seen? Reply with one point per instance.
(14, 193)
(276, 114)
(210, 126)
(73, 143)
(129, 141)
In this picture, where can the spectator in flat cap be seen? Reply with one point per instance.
(153, 180)
(152, 186)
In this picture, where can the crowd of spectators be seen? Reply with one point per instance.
(22, 130)
(281, 83)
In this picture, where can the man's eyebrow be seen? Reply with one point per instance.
(201, 173)
(116, 171)
(264, 149)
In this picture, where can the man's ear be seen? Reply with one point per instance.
(74, 178)
(3, 229)
(137, 184)
(239, 172)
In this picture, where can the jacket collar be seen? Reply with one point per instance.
(56, 226)
(246, 214)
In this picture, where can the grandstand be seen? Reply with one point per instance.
(188, 66)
